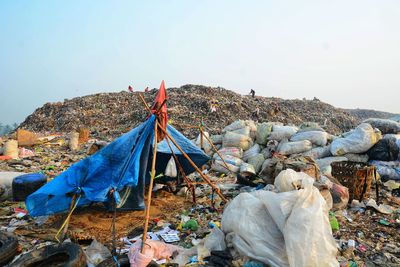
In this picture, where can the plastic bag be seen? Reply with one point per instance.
(318, 152)
(74, 141)
(246, 169)
(288, 148)
(280, 133)
(357, 157)
(281, 229)
(152, 250)
(215, 240)
(234, 126)
(236, 140)
(170, 170)
(243, 131)
(384, 125)
(385, 150)
(388, 170)
(96, 253)
(257, 161)
(289, 180)
(325, 162)
(251, 152)
(358, 141)
(216, 139)
(263, 130)
(206, 145)
(219, 166)
(229, 159)
(230, 151)
(316, 137)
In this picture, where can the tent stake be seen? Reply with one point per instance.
(153, 174)
(205, 178)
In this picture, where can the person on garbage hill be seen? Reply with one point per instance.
(213, 105)
(130, 89)
(252, 93)
(255, 114)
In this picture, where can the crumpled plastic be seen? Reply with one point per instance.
(152, 250)
(281, 229)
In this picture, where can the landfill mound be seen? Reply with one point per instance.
(110, 114)
(363, 114)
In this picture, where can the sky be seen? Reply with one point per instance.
(346, 53)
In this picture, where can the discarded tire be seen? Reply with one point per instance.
(26, 184)
(65, 254)
(8, 247)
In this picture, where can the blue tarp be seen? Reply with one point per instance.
(121, 164)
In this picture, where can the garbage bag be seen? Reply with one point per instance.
(170, 170)
(363, 158)
(316, 137)
(216, 139)
(340, 196)
(6, 180)
(234, 126)
(319, 152)
(263, 130)
(257, 161)
(386, 126)
(288, 148)
(11, 149)
(236, 140)
(215, 240)
(251, 152)
(244, 131)
(229, 159)
(247, 169)
(289, 180)
(230, 151)
(206, 145)
(96, 253)
(387, 170)
(280, 133)
(385, 150)
(360, 140)
(281, 229)
(219, 166)
(325, 162)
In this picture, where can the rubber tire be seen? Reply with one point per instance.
(8, 247)
(68, 254)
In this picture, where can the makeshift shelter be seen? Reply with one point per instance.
(121, 165)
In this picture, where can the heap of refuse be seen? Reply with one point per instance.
(110, 114)
(299, 196)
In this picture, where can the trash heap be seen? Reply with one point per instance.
(110, 114)
(299, 196)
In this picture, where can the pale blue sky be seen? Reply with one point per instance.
(346, 53)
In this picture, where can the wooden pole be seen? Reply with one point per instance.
(153, 174)
(205, 178)
(216, 150)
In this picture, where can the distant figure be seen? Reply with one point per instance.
(146, 89)
(252, 92)
(213, 105)
(255, 114)
(130, 89)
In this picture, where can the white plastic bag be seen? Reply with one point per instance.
(234, 126)
(281, 229)
(257, 161)
(230, 151)
(206, 145)
(319, 152)
(316, 137)
(170, 170)
(215, 240)
(288, 148)
(236, 140)
(96, 253)
(360, 140)
(280, 133)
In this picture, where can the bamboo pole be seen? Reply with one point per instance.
(153, 174)
(215, 149)
(205, 178)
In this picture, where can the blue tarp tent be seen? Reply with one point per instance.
(120, 165)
